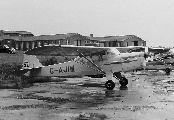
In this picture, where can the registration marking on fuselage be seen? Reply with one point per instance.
(65, 69)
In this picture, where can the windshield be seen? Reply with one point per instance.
(113, 51)
(6, 46)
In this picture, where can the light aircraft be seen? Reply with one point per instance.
(90, 61)
(157, 58)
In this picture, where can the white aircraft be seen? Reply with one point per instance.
(90, 61)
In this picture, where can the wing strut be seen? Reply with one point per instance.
(91, 62)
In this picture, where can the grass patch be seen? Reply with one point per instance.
(9, 79)
(11, 58)
(10, 64)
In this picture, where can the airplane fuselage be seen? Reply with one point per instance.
(91, 61)
(124, 62)
(71, 68)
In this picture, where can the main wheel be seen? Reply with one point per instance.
(124, 81)
(167, 70)
(110, 85)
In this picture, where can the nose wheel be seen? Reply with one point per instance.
(110, 85)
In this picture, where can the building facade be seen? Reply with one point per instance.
(118, 41)
(23, 40)
(24, 43)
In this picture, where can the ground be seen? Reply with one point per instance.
(149, 95)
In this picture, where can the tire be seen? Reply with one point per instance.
(124, 81)
(110, 85)
(167, 70)
(172, 63)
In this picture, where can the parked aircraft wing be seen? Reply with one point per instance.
(130, 49)
(158, 50)
(158, 67)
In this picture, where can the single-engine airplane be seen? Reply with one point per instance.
(157, 58)
(90, 61)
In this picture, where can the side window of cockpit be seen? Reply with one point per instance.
(110, 52)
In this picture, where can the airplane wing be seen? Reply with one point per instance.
(158, 50)
(131, 49)
(158, 67)
(142, 49)
(82, 51)
(67, 51)
(153, 63)
(53, 50)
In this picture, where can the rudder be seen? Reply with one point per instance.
(30, 61)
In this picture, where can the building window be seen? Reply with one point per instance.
(52, 42)
(127, 44)
(134, 43)
(45, 43)
(118, 44)
(143, 43)
(77, 42)
(27, 45)
(57, 42)
(39, 44)
(32, 45)
(17, 45)
(21, 45)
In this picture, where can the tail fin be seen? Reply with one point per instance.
(30, 62)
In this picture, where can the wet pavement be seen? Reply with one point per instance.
(149, 95)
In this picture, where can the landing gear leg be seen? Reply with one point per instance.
(122, 80)
(110, 85)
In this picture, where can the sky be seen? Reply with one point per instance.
(151, 20)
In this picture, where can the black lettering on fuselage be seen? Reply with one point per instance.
(51, 70)
(60, 70)
(72, 68)
(66, 69)
(26, 64)
(63, 70)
